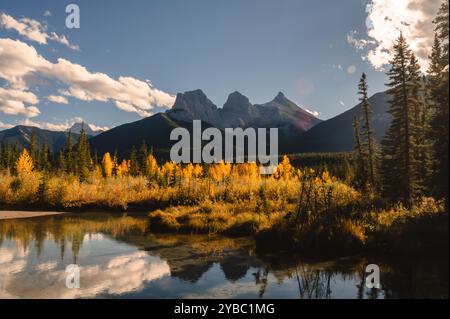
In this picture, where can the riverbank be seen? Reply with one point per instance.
(419, 229)
(10, 214)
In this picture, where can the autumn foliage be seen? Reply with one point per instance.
(24, 164)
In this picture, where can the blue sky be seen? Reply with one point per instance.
(257, 47)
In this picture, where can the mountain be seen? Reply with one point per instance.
(336, 134)
(76, 128)
(239, 112)
(194, 105)
(299, 131)
(22, 136)
(154, 130)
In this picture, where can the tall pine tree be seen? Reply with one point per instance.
(368, 143)
(399, 166)
(83, 161)
(439, 77)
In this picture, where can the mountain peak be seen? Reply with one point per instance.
(77, 127)
(194, 105)
(236, 100)
(280, 98)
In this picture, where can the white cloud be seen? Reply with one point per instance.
(386, 18)
(58, 99)
(47, 13)
(61, 126)
(312, 112)
(20, 63)
(33, 30)
(18, 102)
(5, 126)
(359, 44)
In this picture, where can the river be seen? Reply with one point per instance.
(119, 258)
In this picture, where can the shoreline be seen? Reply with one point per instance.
(16, 214)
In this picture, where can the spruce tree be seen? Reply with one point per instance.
(439, 77)
(416, 105)
(45, 158)
(367, 133)
(134, 164)
(360, 157)
(83, 158)
(143, 153)
(62, 162)
(69, 160)
(398, 149)
(33, 147)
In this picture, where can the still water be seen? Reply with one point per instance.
(119, 258)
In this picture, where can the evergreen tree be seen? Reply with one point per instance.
(425, 142)
(367, 133)
(83, 161)
(439, 77)
(69, 160)
(416, 105)
(143, 153)
(14, 155)
(33, 147)
(360, 158)
(7, 156)
(62, 162)
(134, 164)
(399, 176)
(45, 158)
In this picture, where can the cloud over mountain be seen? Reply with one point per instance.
(386, 19)
(21, 65)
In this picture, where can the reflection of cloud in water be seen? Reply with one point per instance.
(49, 265)
(92, 237)
(12, 261)
(117, 275)
(122, 274)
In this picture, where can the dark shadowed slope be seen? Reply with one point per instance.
(22, 136)
(336, 134)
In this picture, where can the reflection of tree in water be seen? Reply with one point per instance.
(313, 284)
(61, 230)
(363, 291)
(261, 279)
(190, 256)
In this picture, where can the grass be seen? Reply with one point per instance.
(300, 209)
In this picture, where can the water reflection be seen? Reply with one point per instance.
(120, 258)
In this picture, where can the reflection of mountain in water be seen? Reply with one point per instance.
(189, 257)
(121, 257)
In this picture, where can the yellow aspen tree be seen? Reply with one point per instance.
(108, 164)
(123, 168)
(24, 163)
(151, 166)
(198, 171)
(285, 169)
